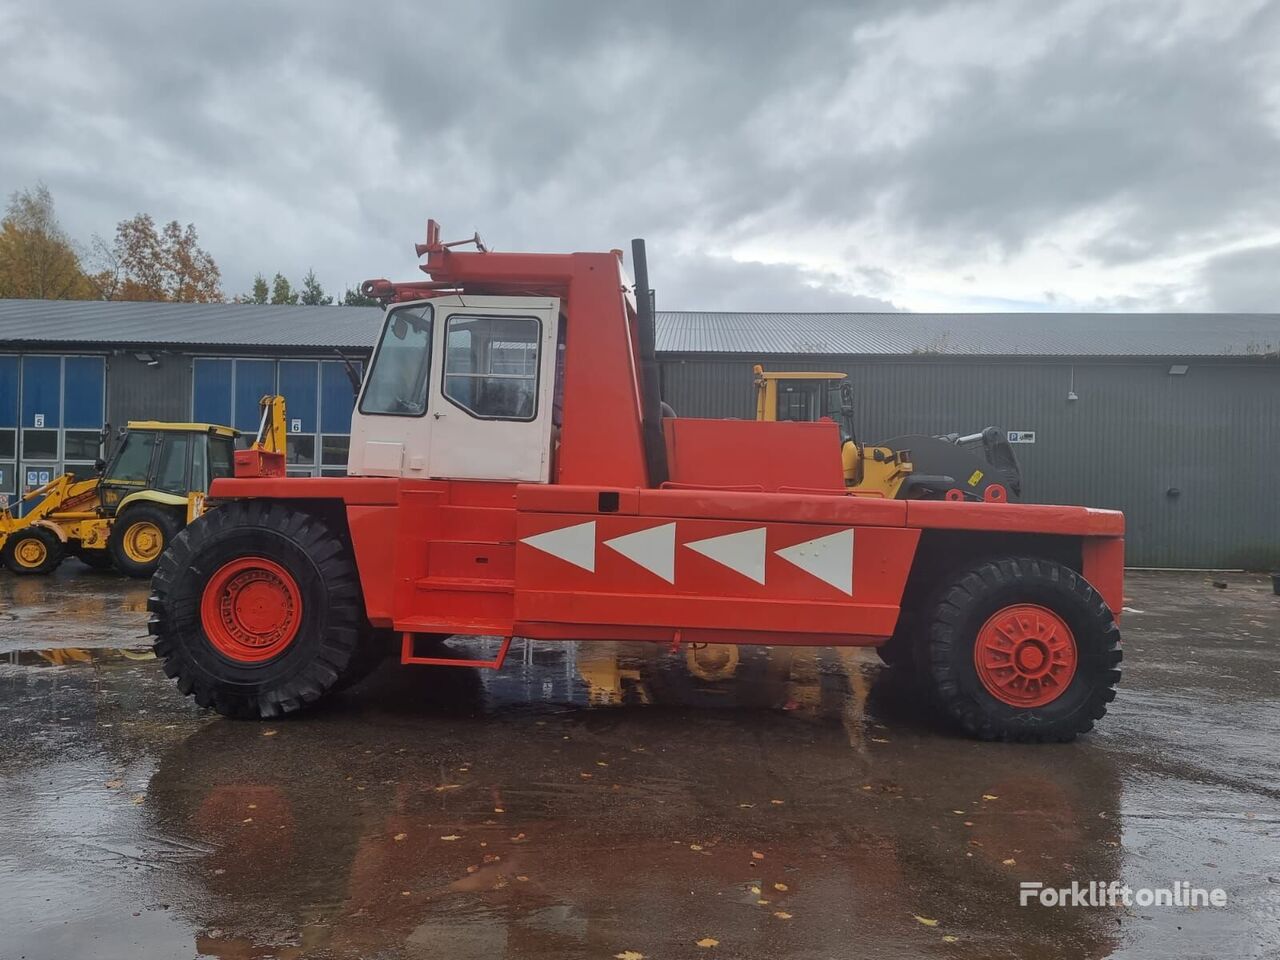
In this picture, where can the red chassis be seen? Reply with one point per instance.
(454, 557)
(528, 484)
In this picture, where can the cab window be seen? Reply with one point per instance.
(491, 366)
(133, 463)
(171, 471)
(397, 382)
(222, 452)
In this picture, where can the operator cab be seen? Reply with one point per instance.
(176, 459)
(460, 387)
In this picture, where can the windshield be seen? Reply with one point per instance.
(132, 464)
(397, 383)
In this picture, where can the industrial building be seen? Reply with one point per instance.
(1174, 419)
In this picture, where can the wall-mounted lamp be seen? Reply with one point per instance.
(148, 358)
(1072, 396)
(1178, 370)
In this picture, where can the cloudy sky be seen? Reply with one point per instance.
(826, 156)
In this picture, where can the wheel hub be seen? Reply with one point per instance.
(143, 542)
(251, 609)
(31, 553)
(1025, 655)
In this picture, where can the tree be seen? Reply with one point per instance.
(260, 291)
(165, 264)
(312, 294)
(37, 259)
(282, 294)
(354, 298)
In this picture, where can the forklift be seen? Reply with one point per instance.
(154, 484)
(512, 472)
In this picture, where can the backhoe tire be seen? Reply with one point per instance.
(256, 609)
(139, 536)
(1020, 648)
(33, 550)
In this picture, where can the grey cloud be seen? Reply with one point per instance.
(324, 134)
(1247, 281)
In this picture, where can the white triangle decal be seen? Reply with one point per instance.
(742, 552)
(828, 558)
(654, 549)
(576, 544)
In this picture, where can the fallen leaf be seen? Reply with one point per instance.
(473, 868)
(762, 903)
(585, 776)
(522, 878)
(253, 806)
(447, 786)
(247, 820)
(780, 886)
(1010, 862)
(989, 796)
(492, 857)
(404, 893)
(399, 836)
(708, 942)
(782, 915)
(927, 921)
(114, 784)
(695, 846)
(777, 803)
(499, 810)
(601, 763)
(755, 890)
(959, 813)
(626, 954)
(879, 740)
(269, 733)
(518, 838)
(138, 798)
(452, 836)
(968, 823)
(745, 806)
(757, 855)
(950, 939)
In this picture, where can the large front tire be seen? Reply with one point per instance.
(1022, 649)
(33, 551)
(256, 609)
(139, 535)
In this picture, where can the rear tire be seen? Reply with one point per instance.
(1020, 649)
(256, 609)
(33, 551)
(139, 537)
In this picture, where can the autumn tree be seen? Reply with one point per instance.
(282, 293)
(162, 264)
(312, 294)
(37, 259)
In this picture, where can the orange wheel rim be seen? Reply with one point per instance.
(1025, 655)
(251, 609)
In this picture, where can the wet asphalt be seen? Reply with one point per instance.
(606, 800)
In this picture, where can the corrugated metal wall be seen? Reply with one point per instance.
(136, 391)
(1135, 433)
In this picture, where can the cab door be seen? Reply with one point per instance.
(491, 398)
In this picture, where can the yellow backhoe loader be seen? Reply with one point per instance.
(153, 485)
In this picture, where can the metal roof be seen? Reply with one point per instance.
(973, 334)
(186, 324)
(35, 322)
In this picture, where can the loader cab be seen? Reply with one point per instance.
(460, 387)
(803, 396)
(172, 460)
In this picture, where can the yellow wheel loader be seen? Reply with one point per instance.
(903, 468)
(153, 485)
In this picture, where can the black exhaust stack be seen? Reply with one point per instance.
(655, 445)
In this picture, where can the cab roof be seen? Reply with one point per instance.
(211, 428)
